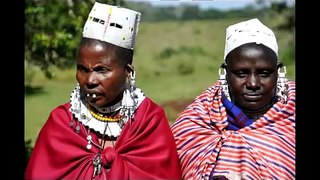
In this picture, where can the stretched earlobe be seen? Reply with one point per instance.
(129, 100)
(279, 65)
(129, 68)
(223, 65)
(282, 89)
(223, 80)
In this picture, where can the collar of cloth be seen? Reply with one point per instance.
(144, 150)
(236, 117)
(262, 149)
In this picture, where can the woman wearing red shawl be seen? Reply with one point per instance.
(109, 129)
(243, 126)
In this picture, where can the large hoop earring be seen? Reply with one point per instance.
(282, 87)
(223, 81)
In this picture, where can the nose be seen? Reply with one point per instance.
(92, 80)
(253, 82)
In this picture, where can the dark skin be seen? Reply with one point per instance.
(252, 76)
(101, 72)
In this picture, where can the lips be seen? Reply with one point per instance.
(92, 95)
(252, 96)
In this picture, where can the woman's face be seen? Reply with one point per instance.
(252, 77)
(100, 74)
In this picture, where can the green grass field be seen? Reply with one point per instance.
(173, 61)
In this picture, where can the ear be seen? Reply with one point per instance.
(223, 65)
(279, 65)
(129, 69)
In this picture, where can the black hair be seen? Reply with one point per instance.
(124, 55)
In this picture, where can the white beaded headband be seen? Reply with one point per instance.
(112, 24)
(247, 32)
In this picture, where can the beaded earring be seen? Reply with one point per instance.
(129, 98)
(132, 80)
(282, 89)
(223, 80)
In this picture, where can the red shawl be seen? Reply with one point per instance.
(264, 149)
(144, 150)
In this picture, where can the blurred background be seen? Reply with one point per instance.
(178, 51)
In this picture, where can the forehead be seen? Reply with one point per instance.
(97, 47)
(94, 43)
(95, 51)
(253, 52)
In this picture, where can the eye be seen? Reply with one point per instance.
(82, 68)
(101, 69)
(265, 73)
(241, 73)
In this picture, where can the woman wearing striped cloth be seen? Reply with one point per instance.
(243, 126)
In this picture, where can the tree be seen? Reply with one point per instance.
(190, 12)
(52, 32)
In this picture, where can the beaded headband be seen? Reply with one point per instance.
(112, 24)
(247, 32)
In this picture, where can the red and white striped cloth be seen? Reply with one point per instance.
(263, 150)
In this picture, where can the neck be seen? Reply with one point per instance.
(256, 113)
(110, 109)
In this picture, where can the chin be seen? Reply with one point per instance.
(95, 104)
(252, 106)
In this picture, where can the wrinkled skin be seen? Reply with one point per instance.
(100, 72)
(252, 76)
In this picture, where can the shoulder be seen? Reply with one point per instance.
(291, 87)
(62, 108)
(149, 109)
(291, 83)
(59, 118)
(60, 114)
(149, 104)
(209, 93)
(150, 115)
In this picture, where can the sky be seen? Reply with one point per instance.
(206, 4)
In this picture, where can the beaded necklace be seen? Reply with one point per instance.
(83, 112)
(104, 118)
(97, 121)
(109, 127)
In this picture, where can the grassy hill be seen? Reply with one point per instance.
(174, 62)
